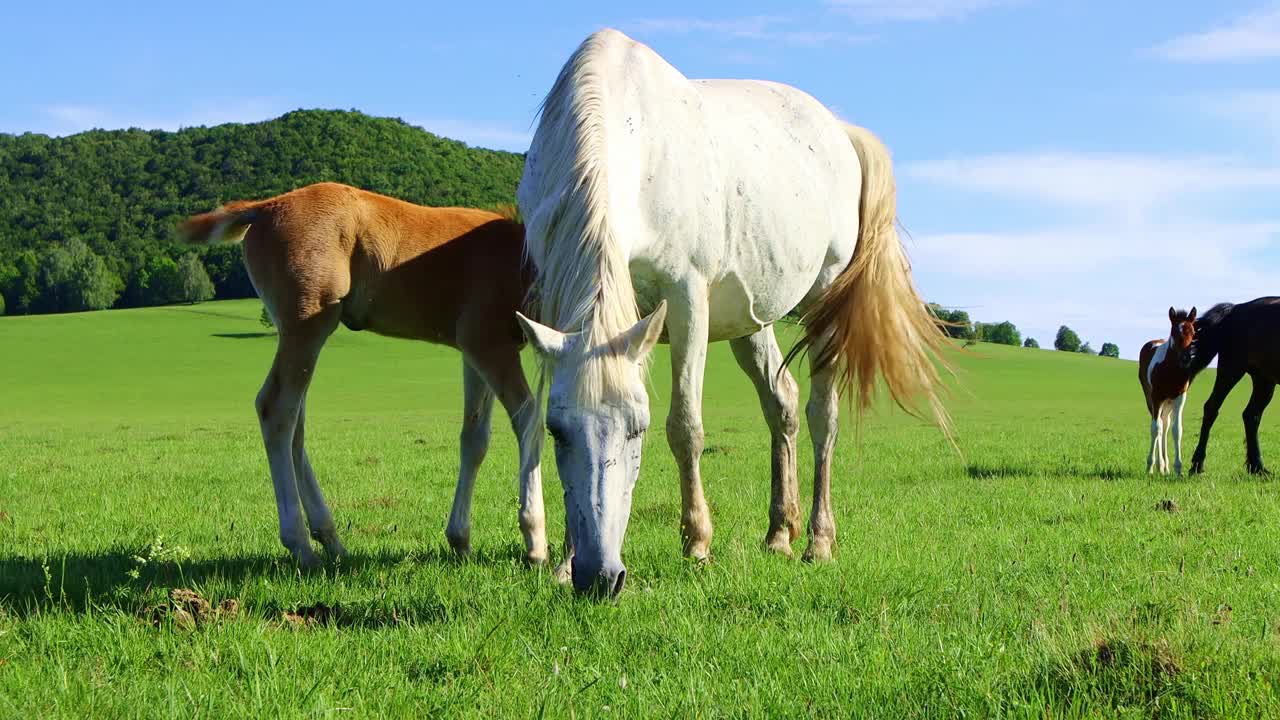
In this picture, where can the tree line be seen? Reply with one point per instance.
(87, 221)
(957, 324)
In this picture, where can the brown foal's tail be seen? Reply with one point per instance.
(875, 321)
(227, 224)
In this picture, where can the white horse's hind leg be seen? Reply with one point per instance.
(759, 357)
(473, 443)
(687, 331)
(319, 517)
(823, 412)
(1178, 402)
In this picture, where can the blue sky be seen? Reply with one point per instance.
(1087, 163)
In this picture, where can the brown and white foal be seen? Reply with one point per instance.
(1165, 382)
(330, 253)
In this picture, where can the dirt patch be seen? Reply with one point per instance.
(1155, 658)
(717, 450)
(378, 501)
(188, 610)
(5, 517)
(1222, 616)
(321, 615)
(309, 615)
(1119, 674)
(1168, 506)
(372, 460)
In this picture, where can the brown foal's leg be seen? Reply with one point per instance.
(477, 410)
(279, 404)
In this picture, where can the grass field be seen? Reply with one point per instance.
(1042, 574)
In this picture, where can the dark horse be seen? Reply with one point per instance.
(1246, 339)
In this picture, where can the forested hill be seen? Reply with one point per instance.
(86, 221)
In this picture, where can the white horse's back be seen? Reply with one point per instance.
(747, 187)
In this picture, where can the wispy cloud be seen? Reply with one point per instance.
(70, 118)
(755, 26)
(1124, 185)
(1111, 283)
(779, 29)
(497, 137)
(1110, 277)
(913, 10)
(1255, 110)
(1254, 36)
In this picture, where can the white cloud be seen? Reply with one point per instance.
(1125, 185)
(479, 134)
(766, 28)
(1255, 110)
(913, 10)
(1109, 283)
(1113, 276)
(70, 118)
(756, 26)
(1254, 36)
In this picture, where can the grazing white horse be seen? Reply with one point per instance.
(720, 206)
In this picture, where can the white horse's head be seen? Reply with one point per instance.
(598, 428)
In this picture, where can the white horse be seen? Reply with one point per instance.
(719, 206)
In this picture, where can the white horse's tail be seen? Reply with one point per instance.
(871, 321)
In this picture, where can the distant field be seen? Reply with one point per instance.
(1041, 575)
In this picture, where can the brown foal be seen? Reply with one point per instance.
(329, 253)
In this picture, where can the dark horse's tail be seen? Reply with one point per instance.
(1208, 337)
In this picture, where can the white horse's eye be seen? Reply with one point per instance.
(556, 434)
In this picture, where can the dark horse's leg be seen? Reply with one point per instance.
(1228, 375)
(1263, 389)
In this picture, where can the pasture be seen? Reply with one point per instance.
(1043, 574)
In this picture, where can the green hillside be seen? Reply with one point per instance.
(1042, 570)
(119, 194)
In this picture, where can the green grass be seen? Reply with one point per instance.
(1036, 576)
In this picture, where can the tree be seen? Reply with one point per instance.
(1003, 333)
(1086, 349)
(73, 278)
(195, 283)
(1031, 343)
(1067, 340)
(955, 323)
(1109, 350)
(159, 282)
(264, 319)
(122, 192)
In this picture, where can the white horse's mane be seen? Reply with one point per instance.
(583, 283)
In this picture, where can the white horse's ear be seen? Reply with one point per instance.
(640, 339)
(546, 341)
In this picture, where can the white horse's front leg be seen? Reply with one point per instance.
(1178, 402)
(687, 331)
